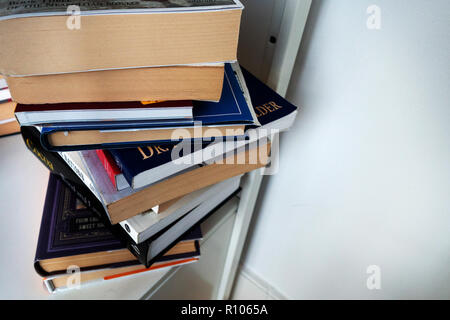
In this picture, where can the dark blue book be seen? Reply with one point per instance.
(228, 117)
(148, 164)
(72, 234)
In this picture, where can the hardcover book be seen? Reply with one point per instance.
(85, 36)
(71, 234)
(229, 116)
(146, 165)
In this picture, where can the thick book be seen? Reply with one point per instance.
(192, 82)
(155, 247)
(145, 165)
(228, 117)
(31, 114)
(71, 234)
(124, 204)
(112, 169)
(38, 38)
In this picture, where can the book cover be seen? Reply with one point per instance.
(270, 108)
(232, 109)
(68, 228)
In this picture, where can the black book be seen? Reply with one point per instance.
(150, 250)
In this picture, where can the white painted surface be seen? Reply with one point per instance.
(250, 188)
(365, 171)
(23, 185)
(249, 286)
(200, 281)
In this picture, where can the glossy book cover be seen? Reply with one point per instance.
(268, 106)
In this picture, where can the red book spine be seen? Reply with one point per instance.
(109, 164)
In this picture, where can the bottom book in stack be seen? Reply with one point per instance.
(73, 239)
(8, 122)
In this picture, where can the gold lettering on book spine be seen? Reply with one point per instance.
(148, 152)
(39, 155)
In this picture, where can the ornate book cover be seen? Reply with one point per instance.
(69, 228)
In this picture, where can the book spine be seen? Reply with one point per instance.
(109, 164)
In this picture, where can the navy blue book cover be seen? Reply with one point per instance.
(137, 160)
(268, 106)
(232, 109)
(69, 228)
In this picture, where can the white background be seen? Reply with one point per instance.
(365, 171)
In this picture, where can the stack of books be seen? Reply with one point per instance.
(146, 122)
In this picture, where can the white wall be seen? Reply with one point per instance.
(365, 171)
(255, 50)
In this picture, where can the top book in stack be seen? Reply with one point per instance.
(42, 43)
